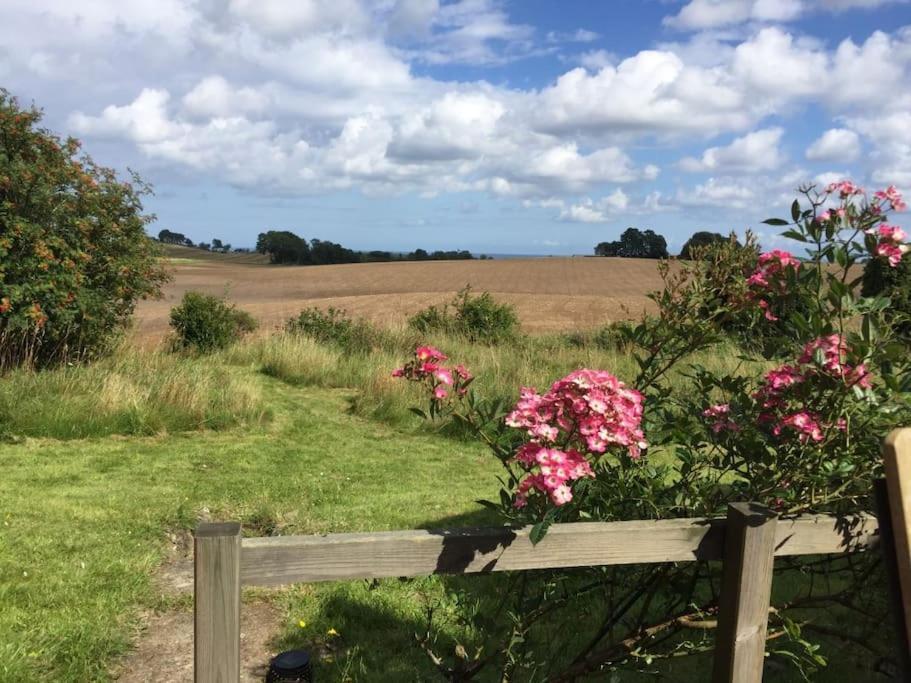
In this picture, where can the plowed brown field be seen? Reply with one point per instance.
(550, 294)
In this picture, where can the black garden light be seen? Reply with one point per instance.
(292, 666)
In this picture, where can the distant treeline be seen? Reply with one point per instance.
(283, 246)
(635, 243)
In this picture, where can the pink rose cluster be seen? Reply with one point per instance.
(427, 366)
(892, 197)
(890, 238)
(890, 243)
(770, 276)
(588, 411)
(719, 418)
(551, 471)
(778, 397)
(844, 188)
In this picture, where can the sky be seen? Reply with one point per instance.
(522, 127)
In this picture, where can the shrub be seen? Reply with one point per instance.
(74, 255)
(880, 279)
(207, 323)
(335, 326)
(803, 436)
(477, 318)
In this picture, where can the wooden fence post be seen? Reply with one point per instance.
(897, 460)
(216, 603)
(746, 588)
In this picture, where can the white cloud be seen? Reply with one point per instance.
(286, 20)
(413, 18)
(144, 120)
(836, 144)
(704, 14)
(322, 95)
(653, 92)
(578, 36)
(595, 60)
(780, 66)
(588, 210)
(213, 96)
(757, 151)
(699, 15)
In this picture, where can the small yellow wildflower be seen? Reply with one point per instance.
(331, 632)
(302, 623)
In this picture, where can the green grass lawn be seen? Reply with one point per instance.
(84, 522)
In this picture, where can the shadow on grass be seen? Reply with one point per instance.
(378, 630)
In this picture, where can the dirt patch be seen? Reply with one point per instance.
(164, 652)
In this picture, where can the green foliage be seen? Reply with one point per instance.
(283, 246)
(335, 326)
(700, 239)
(881, 280)
(74, 255)
(167, 237)
(802, 437)
(635, 243)
(207, 323)
(477, 318)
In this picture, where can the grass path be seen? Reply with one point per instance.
(83, 523)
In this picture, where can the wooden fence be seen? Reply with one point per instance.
(746, 541)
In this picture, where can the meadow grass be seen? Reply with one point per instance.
(500, 370)
(85, 522)
(274, 433)
(130, 392)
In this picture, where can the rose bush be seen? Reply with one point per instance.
(678, 440)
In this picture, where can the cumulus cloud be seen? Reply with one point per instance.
(699, 15)
(333, 95)
(704, 14)
(836, 144)
(757, 151)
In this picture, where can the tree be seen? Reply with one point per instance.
(74, 254)
(635, 243)
(283, 246)
(323, 252)
(700, 239)
(168, 237)
(217, 245)
(607, 249)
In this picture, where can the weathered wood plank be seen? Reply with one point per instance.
(746, 589)
(216, 641)
(291, 559)
(897, 460)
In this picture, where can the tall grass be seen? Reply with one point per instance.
(129, 392)
(500, 370)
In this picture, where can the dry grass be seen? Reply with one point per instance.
(550, 294)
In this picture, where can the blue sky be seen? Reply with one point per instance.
(529, 126)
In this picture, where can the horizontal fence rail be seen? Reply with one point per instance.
(746, 542)
(278, 560)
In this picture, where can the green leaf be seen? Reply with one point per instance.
(795, 235)
(420, 413)
(775, 221)
(539, 531)
(795, 211)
